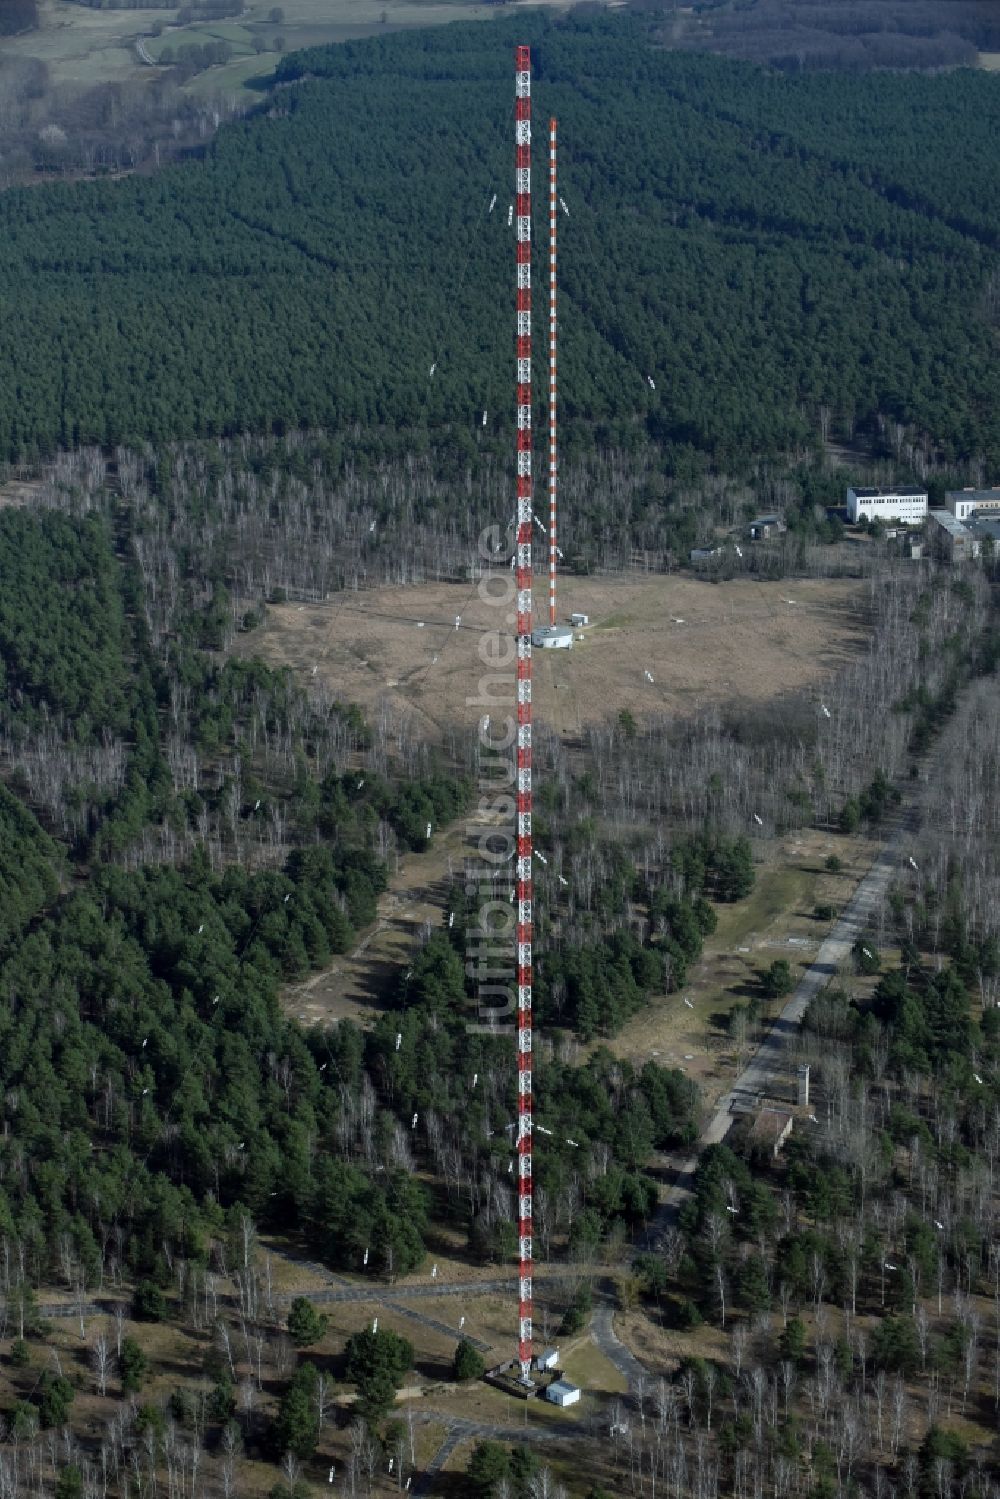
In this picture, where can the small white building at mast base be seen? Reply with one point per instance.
(561, 1392)
(552, 638)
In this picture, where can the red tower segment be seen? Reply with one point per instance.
(522, 569)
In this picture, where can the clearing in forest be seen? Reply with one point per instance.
(701, 643)
(739, 642)
(87, 46)
(358, 984)
(776, 920)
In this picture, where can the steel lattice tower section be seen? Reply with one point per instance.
(553, 205)
(522, 138)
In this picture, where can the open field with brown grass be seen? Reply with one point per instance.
(358, 985)
(702, 643)
(777, 920)
(17, 493)
(87, 47)
(739, 643)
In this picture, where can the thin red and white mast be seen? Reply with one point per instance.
(523, 577)
(553, 467)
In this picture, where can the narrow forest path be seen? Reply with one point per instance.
(459, 1430)
(358, 985)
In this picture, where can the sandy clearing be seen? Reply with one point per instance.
(739, 642)
(702, 643)
(17, 493)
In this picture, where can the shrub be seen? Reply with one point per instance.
(55, 1396)
(688, 1315)
(134, 1366)
(305, 1324)
(865, 955)
(468, 1362)
(69, 1484)
(295, 1428)
(181, 1407)
(577, 1313)
(376, 1364)
(792, 1343)
(149, 1303)
(222, 1401)
(489, 1466)
(777, 981)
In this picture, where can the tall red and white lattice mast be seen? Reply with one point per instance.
(553, 205)
(522, 215)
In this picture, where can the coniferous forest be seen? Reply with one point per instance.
(232, 360)
(761, 247)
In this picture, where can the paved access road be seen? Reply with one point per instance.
(602, 1330)
(767, 1066)
(770, 1064)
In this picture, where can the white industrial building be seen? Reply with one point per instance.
(548, 1360)
(908, 507)
(561, 1392)
(965, 502)
(553, 638)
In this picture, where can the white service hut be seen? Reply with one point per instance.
(576, 620)
(549, 1359)
(561, 1392)
(552, 638)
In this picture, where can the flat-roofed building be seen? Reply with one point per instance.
(552, 638)
(561, 1392)
(908, 507)
(966, 502)
(984, 528)
(764, 526)
(952, 538)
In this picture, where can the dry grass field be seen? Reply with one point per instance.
(86, 46)
(17, 493)
(776, 920)
(355, 986)
(179, 1358)
(738, 642)
(700, 642)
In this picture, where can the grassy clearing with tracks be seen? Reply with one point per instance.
(86, 47)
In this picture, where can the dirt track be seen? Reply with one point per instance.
(356, 986)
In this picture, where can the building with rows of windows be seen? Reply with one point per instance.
(906, 507)
(964, 503)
